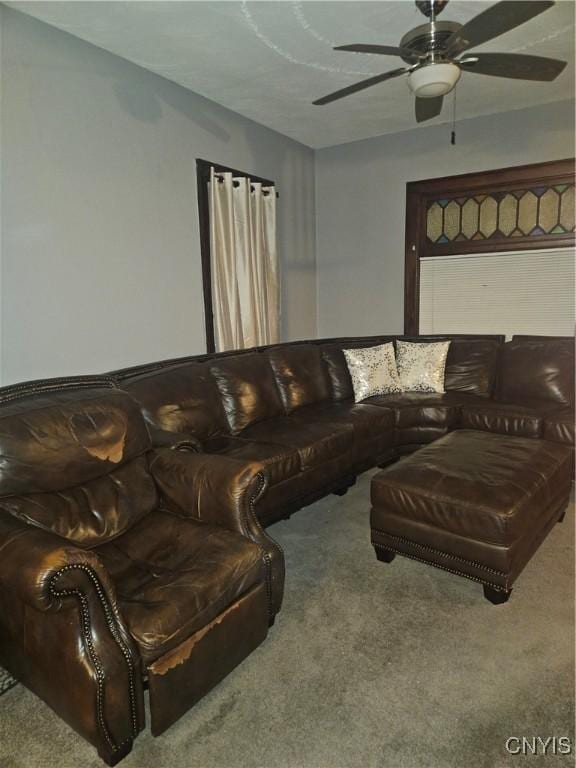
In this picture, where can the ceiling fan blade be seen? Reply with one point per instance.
(360, 86)
(494, 21)
(426, 109)
(514, 65)
(385, 50)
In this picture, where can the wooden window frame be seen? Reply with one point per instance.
(419, 193)
(202, 178)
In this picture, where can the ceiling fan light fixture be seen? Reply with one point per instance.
(433, 80)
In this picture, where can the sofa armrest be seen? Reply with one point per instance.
(34, 564)
(222, 491)
(59, 608)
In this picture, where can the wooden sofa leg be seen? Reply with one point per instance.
(384, 555)
(562, 516)
(113, 757)
(496, 596)
(344, 489)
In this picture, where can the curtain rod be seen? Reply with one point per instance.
(236, 183)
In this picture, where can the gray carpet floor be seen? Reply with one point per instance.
(368, 665)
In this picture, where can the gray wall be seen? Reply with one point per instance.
(99, 247)
(1, 151)
(360, 204)
(101, 257)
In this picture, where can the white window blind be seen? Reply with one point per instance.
(520, 292)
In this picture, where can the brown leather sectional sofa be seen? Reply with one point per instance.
(291, 408)
(114, 489)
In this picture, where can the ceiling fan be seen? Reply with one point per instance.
(436, 53)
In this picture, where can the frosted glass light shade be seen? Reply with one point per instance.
(433, 80)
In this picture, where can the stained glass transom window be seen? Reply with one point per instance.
(536, 212)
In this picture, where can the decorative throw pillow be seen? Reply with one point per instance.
(373, 371)
(421, 366)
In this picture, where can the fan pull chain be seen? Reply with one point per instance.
(453, 134)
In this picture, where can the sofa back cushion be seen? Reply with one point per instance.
(299, 374)
(93, 512)
(471, 364)
(247, 388)
(72, 462)
(181, 398)
(537, 368)
(337, 370)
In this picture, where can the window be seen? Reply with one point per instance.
(492, 252)
(520, 292)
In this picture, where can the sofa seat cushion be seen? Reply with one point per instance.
(559, 427)
(173, 576)
(415, 409)
(367, 421)
(280, 462)
(522, 419)
(422, 417)
(315, 442)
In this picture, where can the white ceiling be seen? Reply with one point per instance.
(270, 60)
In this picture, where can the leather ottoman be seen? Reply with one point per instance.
(477, 504)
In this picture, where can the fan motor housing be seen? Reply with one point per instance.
(429, 38)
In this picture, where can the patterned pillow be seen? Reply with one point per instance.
(421, 366)
(373, 371)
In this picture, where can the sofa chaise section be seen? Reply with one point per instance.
(535, 388)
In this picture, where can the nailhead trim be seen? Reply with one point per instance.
(86, 627)
(261, 533)
(425, 548)
(18, 391)
(497, 587)
(136, 371)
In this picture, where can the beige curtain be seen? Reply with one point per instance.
(244, 261)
